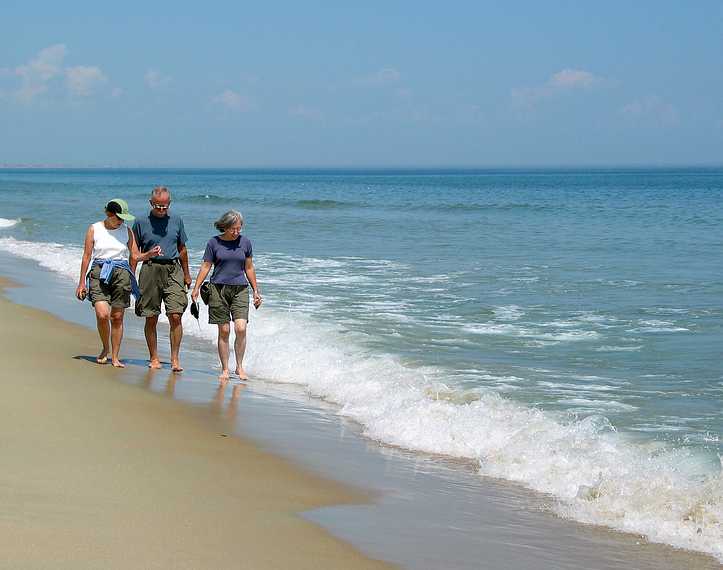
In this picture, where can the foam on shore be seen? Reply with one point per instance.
(100, 474)
(5, 223)
(598, 475)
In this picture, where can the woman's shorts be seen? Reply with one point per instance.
(227, 303)
(117, 293)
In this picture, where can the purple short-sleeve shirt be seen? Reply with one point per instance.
(229, 259)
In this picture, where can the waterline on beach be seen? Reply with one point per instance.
(597, 474)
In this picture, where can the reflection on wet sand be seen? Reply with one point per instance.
(230, 411)
(153, 375)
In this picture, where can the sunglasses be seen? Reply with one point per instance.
(159, 206)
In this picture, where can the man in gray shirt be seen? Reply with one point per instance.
(165, 276)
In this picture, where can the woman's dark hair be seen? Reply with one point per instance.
(113, 208)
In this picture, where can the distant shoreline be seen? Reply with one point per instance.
(379, 170)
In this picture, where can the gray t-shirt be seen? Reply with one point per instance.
(229, 259)
(167, 232)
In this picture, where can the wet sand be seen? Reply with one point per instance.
(98, 474)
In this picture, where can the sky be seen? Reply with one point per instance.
(361, 84)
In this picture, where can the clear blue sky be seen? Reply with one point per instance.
(343, 84)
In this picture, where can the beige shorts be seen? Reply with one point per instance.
(161, 283)
(227, 303)
(117, 293)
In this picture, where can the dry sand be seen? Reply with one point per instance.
(97, 473)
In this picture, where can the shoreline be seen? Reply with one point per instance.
(99, 473)
(426, 511)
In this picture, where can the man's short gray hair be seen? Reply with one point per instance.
(228, 219)
(159, 191)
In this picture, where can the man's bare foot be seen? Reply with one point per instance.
(155, 364)
(241, 373)
(176, 367)
(102, 357)
(224, 375)
(118, 364)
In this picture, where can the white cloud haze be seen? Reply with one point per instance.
(304, 112)
(233, 101)
(563, 81)
(36, 74)
(82, 80)
(155, 80)
(384, 76)
(652, 109)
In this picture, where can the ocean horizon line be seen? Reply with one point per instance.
(370, 169)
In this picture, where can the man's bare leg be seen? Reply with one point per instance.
(224, 330)
(239, 347)
(102, 320)
(116, 335)
(176, 335)
(152, 341)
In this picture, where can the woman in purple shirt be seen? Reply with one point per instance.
(231, 256)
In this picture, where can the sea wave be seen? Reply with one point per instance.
(319, 204)
(493, 206)
(5, 223)
(206, 199)
(598, 475)
(530, 332)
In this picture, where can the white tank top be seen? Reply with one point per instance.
(110, 244)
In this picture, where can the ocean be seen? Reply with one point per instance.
(562, 329)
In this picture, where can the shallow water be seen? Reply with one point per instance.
(558, 329)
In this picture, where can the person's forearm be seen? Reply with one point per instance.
(251, 276)
(84, 269)
(135, 257)
(183, 256)
(205, 268)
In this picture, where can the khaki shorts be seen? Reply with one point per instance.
(117, 293)
(227, 303)
(161, 282)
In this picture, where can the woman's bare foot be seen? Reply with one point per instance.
(155, 364)
(224, 375)
(117, 363)
(241, 373)
(176, 366)
(102, 357)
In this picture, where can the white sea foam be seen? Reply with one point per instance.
(5, 223)
(607, 348)
(60, 258)
(508, 313)
(597, 474)
(599, 405)
(528, 332)
(654, 326)
(568, 386)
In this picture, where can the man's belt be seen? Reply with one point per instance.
(161, 261)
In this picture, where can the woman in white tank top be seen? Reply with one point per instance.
(111, 247)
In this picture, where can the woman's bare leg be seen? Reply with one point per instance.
(116, 335)
(224, 330)
(239, 347)
(102, 320)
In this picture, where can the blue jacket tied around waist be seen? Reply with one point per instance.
(106, 272)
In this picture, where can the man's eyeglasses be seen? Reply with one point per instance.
(159, 206)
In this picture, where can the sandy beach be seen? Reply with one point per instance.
(99, 474)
